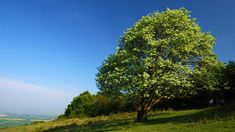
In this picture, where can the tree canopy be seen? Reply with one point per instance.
(158, 58)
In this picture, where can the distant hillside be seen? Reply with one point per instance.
(10, 120)
(213, 119)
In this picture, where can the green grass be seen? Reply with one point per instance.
(213, 119)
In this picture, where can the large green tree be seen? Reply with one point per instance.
(157, 59)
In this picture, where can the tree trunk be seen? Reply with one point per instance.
(141, 114)
(144, 108)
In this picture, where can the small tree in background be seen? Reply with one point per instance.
(80, 106)
(209, 83)
(88, 105)
(157, 59)
(230, 76)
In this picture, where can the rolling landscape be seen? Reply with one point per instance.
(10, 120)
(119, 66)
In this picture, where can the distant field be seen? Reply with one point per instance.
(21, 119)
(9, 122)
(213, 119)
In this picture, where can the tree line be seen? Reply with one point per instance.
(88, 105)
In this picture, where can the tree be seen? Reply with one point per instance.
(209, 83)
(156, 59)
(100, 105)
(230, 77)
(88, 105)
(230, 70)
(105, 105)
(80, 106)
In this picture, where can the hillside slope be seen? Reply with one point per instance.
(218, 118)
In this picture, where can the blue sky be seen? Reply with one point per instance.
(56, 46)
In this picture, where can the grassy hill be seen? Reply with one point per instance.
(213, 119)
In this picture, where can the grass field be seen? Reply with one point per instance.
(213, 119)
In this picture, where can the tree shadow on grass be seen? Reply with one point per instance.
(100, 126)
(208, 114)
(212, 113)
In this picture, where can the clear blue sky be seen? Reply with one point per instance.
(56, 46)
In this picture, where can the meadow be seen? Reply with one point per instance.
(213, 119)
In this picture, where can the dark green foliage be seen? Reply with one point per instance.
(87, 105)
(209, 85)
(230, 77)
(222, 76)
(100, 105)
(80, 106)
